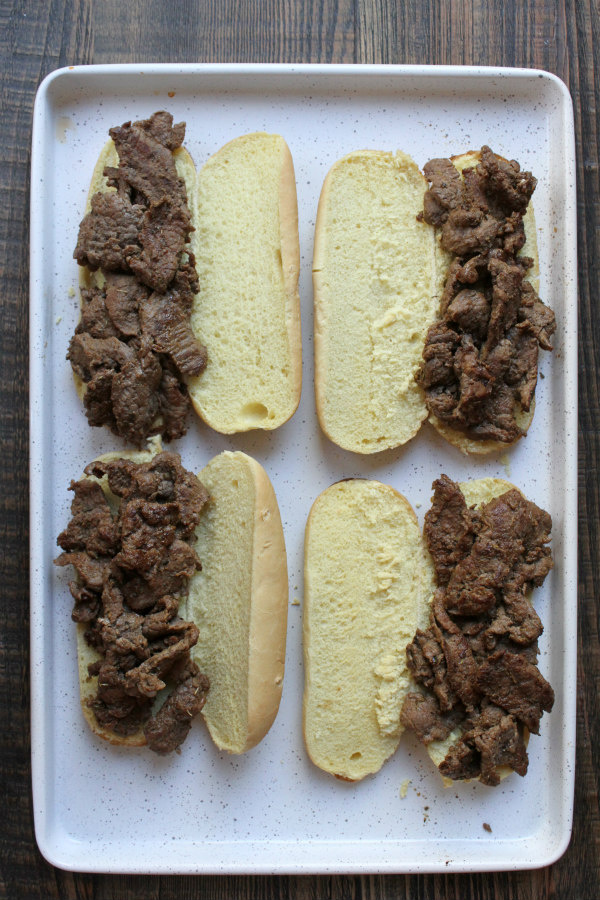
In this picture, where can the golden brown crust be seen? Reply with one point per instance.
(290, 263)
(268, 622)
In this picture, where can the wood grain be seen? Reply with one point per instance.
(561, 36)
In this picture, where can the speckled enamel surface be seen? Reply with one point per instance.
(101, 808)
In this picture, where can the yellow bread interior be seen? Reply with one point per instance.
(374, 279)
(247, 312)
(239, 601)
(366, 591)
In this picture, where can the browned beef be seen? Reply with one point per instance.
(123, 298)
(470, 310)
(164, 232)
(133, 568)
(92, 527)
(170, 726)
(445, 192)
(146, 162)
(134, 346)
(134, 397)
(174, 405)
(165, 321)
(461, 763)
(476, 663)
(492, 739)
(110, 233)
(421, 713)
(449, 528)
(512, 682)
(480, 359)
(95, 318)
(90, 355)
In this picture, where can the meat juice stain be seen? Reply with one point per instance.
(63, 125)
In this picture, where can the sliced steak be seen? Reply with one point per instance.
(480, 359)
(476, 663)
(133, 566)
(137, 234)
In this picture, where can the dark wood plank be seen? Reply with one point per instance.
(559, 35)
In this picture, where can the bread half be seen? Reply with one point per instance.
(239, 601)
(375, 296)
(366, 591)
(247, 313)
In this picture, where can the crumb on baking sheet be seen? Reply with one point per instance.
(404, 788)
(487, 827)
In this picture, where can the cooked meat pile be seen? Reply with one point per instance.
(480, 358)
(477, 661)
(133, 567)
(134, 344)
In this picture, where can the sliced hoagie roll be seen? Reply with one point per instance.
(239, 601)
(406, 328)
(172, 259)
(374, 281)
(247, 312)
(366, 587)
(181, 591)
(436, 633)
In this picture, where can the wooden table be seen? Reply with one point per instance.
(37, 37)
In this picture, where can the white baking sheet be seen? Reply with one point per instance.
(98, 808)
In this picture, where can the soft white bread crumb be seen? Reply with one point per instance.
(239, 601)
(247, 312)
(366, 592)
(375, 295)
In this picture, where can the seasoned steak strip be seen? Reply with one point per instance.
(133, 567)
(476, 663)
(137, 234)
(480, 359)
